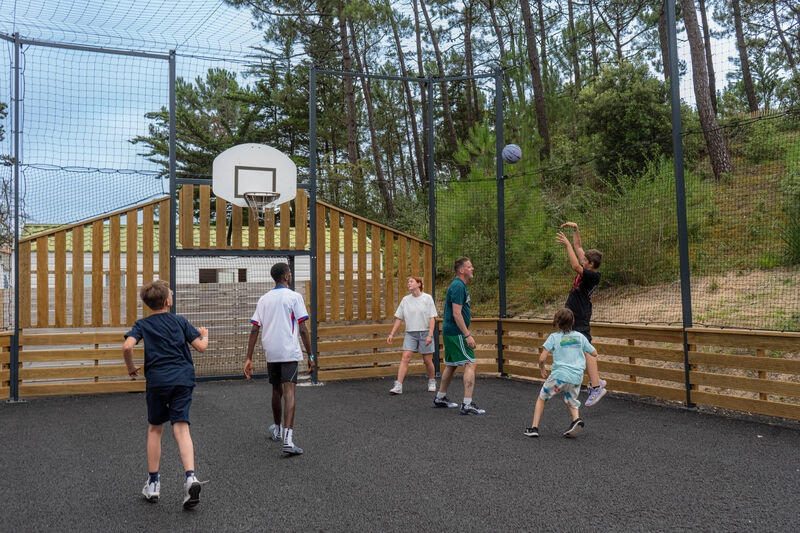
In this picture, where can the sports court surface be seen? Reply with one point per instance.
(375, 462)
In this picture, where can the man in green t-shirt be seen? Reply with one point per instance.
(459, 345)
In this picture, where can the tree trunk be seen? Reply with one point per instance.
(787, 48)
(663, 41)
(383, 187)
(712, 83)
(501, 46)
(593, 41)
(359, 187)
(747, 78)
(715, 143)
(418, 157)
(536, 78)
(423, 94)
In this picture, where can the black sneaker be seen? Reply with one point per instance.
(444, 402)
(574, 428)
(531, 432)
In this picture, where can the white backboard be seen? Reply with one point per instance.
(253, 168)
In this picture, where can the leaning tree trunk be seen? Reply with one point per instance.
(536, 77)
(747, 78)
(712, 82)
(715, 143)
(359, 187)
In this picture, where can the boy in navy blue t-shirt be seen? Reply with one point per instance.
(169, 371)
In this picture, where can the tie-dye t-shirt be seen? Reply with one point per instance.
(568, 359)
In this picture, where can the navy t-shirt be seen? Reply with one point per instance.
(167, 359)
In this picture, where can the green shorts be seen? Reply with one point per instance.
(456, 351)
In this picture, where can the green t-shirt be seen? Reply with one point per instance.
(457, 293)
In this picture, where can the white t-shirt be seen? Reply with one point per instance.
(417, 311)
(279, 313)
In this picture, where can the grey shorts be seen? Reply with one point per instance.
(414, 341)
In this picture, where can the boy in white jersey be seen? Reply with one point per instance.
(282, 314)
(570, 349)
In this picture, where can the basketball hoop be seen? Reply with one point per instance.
(260, 201)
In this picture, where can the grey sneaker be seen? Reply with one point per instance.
(596, 393)
(531, 432)
(292, 449)
(192, 489)
(397, 389)
(275, 432)
(574, 428)
(471, 409)
(444, 402)
(151, 490)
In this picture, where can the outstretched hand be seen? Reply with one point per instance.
(563, 239)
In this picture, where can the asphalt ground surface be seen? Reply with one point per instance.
(376, 462)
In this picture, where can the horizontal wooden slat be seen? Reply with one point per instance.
(74, 338)
(642, 371)
(639, 333)
(746, 362)
(748, 405)
(100, 354)
(72, 372)
(57, 389)
(770, 386)
(769, 340)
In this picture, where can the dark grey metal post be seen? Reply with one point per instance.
(312, 206)
(173, 243)
(432, 214)
(14, 348)
(501, 211)
(680, 191)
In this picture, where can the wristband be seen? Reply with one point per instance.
(203, 338)
(311, 357)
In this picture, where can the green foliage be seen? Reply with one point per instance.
(764, 144)
(627, 115)
(790, 232)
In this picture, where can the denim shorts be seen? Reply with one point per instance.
(168, 404)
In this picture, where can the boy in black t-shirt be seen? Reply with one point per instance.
(169, 371)
(579, 300)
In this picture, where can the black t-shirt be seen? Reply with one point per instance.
(579, 300)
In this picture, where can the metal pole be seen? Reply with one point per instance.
(312, 205)
(680, 191)
(501, 211)
(173, 244)
(432, 213)
(14, 348)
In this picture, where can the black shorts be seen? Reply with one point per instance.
(168, 404)
(285, 372)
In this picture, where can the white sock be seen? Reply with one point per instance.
(467, 401)
(439, 395)
(287, 437)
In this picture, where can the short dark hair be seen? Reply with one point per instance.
(155, 294)
(278, 271)
(564, 320)
(460, 263)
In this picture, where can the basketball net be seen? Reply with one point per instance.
(260, 201)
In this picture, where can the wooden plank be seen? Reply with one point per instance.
(391, 282)
(253, 229)
(300, 217)
(205, 216)
(269, 231)
(334, 308)
(673, 355)
(723, 381)
(349, 273)
(286, 226)
(642, 371)
(42, 282)
(221, 222)
(31, 337)
(352, 345)
(649, 333)
(428, 273)
(376, 274)
(372, 328)
(163, 241)
(25, 299)
(355, 360)
(28, 390)
(236, 227)
(747, 405)
(362, 270)
(186, 216)
(98, 267)
(60, 296)
(73, 354)
(114, 271)
(770, 340)
(402, 260)
(414, 258)
(75, 372)
(78, 272)
(322, 300)
(132, 265)
(746, 362)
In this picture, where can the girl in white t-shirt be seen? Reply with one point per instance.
(419, 313)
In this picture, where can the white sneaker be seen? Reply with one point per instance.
(151, 490)
(397, 389)
(431, 385)
(192, 489)
(275, 432)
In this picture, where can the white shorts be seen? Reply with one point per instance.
(553, 386)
